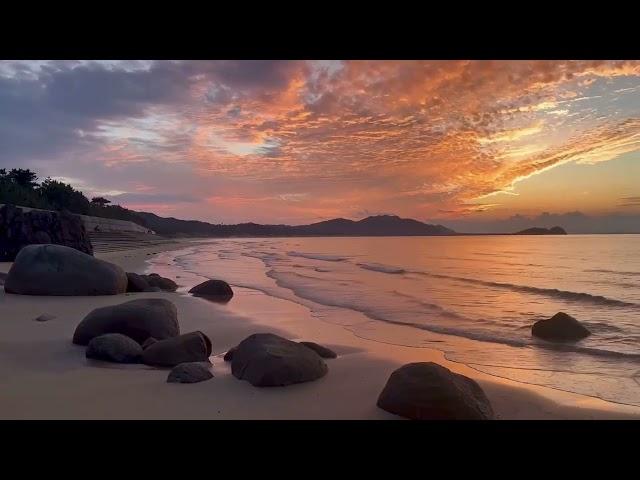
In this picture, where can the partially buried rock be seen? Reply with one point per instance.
(213, 289)
(136, 283)
(428, 391)
(561, 327)
(324, 352)
(138, 319)
(190, 347)
(190, 372)
(229, 355)
(148, 342)
(114, 347)
(266, 360)
(45, 317)
(59, 270)
(165, 284)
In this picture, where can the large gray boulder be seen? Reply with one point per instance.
(190, 347)
(213, 289)
(266, 360)
(560, 328)
(190, 372)
(428, 391)
(114, 347)
(58, 270)
(19, 228)
(137, 319)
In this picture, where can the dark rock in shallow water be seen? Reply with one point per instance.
(138, 319)
(114, 347)
(561, 327)
(136, 283)
(190, 347)
(324, 352)
(19, 228)
(428, 391)
(229, 355)
(59, 270)
(164, 284)
(190, 372)
(214, 289)
(45, 317)
(266, 360)
(148, 342)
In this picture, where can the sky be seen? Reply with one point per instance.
(473, 145)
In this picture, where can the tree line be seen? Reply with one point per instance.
(20, 187)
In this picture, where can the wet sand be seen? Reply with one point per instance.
(45, 376)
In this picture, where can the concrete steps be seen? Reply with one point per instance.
(117, 241)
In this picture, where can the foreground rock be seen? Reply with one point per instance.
(59, 270)
(428, 391)
(137, 319)
(114, 347)
(561, 328)
(148, 342)
(324, 352)
(267, 360)
(190, 347)
(229, 355)
(215, 289)
(136, 283)
(191, 372)
(20, 228)
(165, 284)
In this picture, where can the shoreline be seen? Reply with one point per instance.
(60, 383)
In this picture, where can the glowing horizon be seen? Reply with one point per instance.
(303, 141)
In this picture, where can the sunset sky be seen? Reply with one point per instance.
(461, 143)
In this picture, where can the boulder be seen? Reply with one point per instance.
(148, 342)
(138, 319)
(114, 347)
(19, 227)
(136, 283)
(190, 347)
(3, 277)
(164, 284)
(266, 360)
(229, 355)
(428, 391)
(560, 328)
(45, 317)
(216, 289)
(324, 352)
(58, 270)
(190, 372)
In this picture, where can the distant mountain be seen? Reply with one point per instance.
(381, 225)
(542, 231)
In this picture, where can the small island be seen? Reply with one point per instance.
(542, 231)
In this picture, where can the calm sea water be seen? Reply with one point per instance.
(475, 298)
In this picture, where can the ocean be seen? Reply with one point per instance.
(472, 297)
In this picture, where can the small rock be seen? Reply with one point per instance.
(190, 347)
(114, 347)
(324, 352)
(45, 317)
(190, 372)
(165, 284)
(561, 328)
(216, 289)
(268, 360)
(136, 283)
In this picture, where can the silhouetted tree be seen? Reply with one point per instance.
(100, 201)
(23, 177)
(64, 197)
